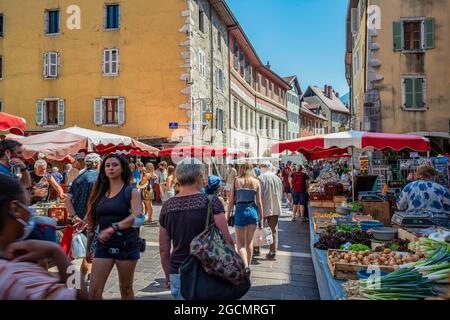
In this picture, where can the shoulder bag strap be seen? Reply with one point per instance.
(209, 212)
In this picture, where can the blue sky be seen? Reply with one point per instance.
(301, 37)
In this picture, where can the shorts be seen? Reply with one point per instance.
(299, 198)
(175, 286)
(245, 214)
(120, 254)
(287, 189)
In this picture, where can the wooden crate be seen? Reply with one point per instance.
(380, 211)
(361, 217)
(315, 203)
(346, 271)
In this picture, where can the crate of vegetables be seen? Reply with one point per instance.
(344, 264)
(321, 226)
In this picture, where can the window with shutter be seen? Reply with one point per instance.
(52, 22)
(51, 112)
(121, 111)
(201, 61)
(112, 18)
(242, 63)
(111, 110)
(414, 93)
(236, 56)
(98, 111)
(1, 106)
(111, 58)
(201, 20)
(398, 35)
(412, 35)
(61, 112)
(39, 112)
(429, 33)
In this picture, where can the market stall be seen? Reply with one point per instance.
(11, 124)
(59, 144)
(346, 248)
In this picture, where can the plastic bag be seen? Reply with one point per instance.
(79, 243)
(268, 237)
(258, 238)
(66, 241)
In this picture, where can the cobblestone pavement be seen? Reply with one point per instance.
(290, 277)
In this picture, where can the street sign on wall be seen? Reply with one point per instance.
(173, 125)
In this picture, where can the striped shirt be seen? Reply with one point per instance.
(29, 281)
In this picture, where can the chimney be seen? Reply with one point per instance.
(268, 65)
(337, 95)
(330, 92)
(325, 90)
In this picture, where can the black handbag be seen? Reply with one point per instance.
(196, 284)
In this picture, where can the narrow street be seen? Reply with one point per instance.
(290, 277)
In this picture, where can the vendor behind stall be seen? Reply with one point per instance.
(41, 181)
(424, 194)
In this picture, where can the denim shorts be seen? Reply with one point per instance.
(175, 286)
(121, 254)
(245, 214)
(299, 198)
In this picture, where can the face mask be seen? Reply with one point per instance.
(28, 226)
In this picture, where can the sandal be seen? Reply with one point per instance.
(271, 256)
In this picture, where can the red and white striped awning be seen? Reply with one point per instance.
(329, 145)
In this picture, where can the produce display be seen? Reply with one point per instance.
(340, 227)
(366, 258)
(329, 215)
(356, 206)
(428, 246)
(396, 245)
(402, 284)
(333, 239)
(356, 247)
(412, 281)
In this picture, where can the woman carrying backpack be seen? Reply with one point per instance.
(114, 206)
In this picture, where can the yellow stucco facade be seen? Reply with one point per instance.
(151, 63)
(433, 64)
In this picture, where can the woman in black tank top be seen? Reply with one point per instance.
(113, 206)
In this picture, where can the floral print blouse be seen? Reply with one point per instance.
(424, 195)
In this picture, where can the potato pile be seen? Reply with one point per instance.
(385, 258)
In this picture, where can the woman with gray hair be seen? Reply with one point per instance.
(183, 217)
(41, 181)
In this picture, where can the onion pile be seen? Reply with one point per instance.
(385, 258)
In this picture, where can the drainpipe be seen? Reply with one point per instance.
(211, 38)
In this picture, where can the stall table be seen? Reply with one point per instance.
(329, 288)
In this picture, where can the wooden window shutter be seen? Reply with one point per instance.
(398, 35)
(105, 16)
(429, 33)
(45, 65)
(117, 61)
(121, 111)
(61, 112)
(409, 93)
(419, 93)
(53, 64)
(98, 111)
(39, 112)
(46, 21)
(118, 16)
(58, 64)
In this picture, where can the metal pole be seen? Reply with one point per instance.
(353, 174)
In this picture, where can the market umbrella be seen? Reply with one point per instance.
(59, 144)
(329, 145)
(12, 124)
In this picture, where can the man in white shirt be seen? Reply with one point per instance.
(271, 194)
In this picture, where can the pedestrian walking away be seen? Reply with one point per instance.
(182, 218)
(109, 208)
(248, 214)
(299, 184)
(271, 194)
